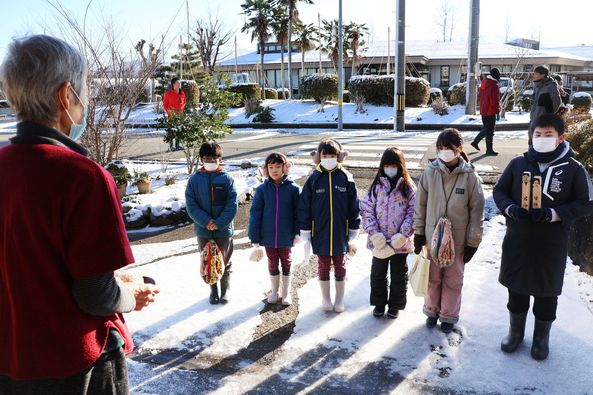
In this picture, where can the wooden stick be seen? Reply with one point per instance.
(537, 192)
(526, 189)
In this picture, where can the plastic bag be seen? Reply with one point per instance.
(418, 274)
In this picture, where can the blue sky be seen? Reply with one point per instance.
(150, 19)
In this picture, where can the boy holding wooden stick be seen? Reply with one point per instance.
(540, 193)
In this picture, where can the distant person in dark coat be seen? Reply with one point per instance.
(489, 108)
(534, 249)
(546, 98)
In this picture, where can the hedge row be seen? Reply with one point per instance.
(378, 89)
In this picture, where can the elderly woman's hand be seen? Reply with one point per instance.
(144, 293)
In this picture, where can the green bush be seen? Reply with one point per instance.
(271, 93)
(580, 137)
(320, 87)
(457, 93)
(435, 93)
(119, 171)
(264, 114)
(525, 102)
(378, 89)
(251, 90)
(581, 102)
(346, 97)
(417, 92)
(192, 93)
(280, 96)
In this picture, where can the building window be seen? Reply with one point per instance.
(463, 73)
(444, 75)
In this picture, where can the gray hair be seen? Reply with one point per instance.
(33, 71)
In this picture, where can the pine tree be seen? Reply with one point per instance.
(188, 61)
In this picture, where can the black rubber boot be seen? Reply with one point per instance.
(516, 332)
(489, 149)
(224, 287)
(214, 294)
(541, 337)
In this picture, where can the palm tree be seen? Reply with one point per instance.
(353, 34)
(280, 29)
(260, 14)
(293, 17)
(329, 41)
(305, 41)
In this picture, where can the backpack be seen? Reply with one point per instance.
(211, 263)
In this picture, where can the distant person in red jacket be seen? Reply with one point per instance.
(61, 237)
(489, 108)
(174, 103)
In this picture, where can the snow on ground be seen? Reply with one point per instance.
(306, 111)
(329, 347)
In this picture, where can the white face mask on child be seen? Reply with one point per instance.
(544, 144)
(390, 172)
(329, 163)
(210, 166)
(446, 155)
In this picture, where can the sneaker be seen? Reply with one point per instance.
(475, 145)
(431, 322)
(392, 313)
(378, 311)
(446, 327)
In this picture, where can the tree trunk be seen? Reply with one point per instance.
(290, 11)
(263, 78)
(282, 68)
(580, 243)
(302, 69)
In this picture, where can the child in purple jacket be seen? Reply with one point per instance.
(388, 218)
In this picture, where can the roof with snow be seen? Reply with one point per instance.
(427, 49)
(585, 51)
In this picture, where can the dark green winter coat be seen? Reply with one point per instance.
(534, 254)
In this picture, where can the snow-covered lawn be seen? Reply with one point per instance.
(343, 347)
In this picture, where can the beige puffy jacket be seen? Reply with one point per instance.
(466, 204)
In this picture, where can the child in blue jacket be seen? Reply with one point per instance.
(329, 218)
(211, 201)
(273, 222)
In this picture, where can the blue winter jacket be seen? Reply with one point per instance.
(273, 214)
(328, 207)
(211, 196)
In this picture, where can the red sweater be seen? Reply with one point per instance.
(60, 220)
(489, 97)
(173, 101)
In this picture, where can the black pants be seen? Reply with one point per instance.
(488, 125)
(398, 271)
(544, 307)
(226, 248)
(107, 376)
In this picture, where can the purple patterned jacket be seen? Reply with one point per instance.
(389, 213)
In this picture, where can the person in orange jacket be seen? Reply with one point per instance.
(174, 103)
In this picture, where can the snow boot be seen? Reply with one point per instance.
(273, 295)
(378, 311)
(431, 322)
(516, 332)
(326, 303)
(339, 303)
(541, 336)
(214, 294)
(446, 327)
(285, 291)
(489, 150)
(392, 313)
(224, 287)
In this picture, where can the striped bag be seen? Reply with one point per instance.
(442, 246)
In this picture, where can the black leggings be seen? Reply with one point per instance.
(544, 307)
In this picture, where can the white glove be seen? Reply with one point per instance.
(352, 234)
(257, 254)
(378, 240)
(383, 253)
(297, 240)
(306, 235)
(352, 249)
(398, 240)
(307, 248)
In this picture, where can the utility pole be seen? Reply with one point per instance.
(289, 50)
(340, 67)
(472, 61)
(388, 50)
(236, 64)
(180, 57)
(319, 32)
(399, 66)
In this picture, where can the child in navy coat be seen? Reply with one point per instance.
(273, 223)
(329, 218)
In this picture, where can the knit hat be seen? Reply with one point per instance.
(495, 73)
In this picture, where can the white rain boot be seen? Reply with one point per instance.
(285, 291)
(273, 296)
(339, 305)
(326, 303)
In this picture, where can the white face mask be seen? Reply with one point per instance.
(211, 166)
(446, 155)
(329, 163)
(544, 144)
(390, 172)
